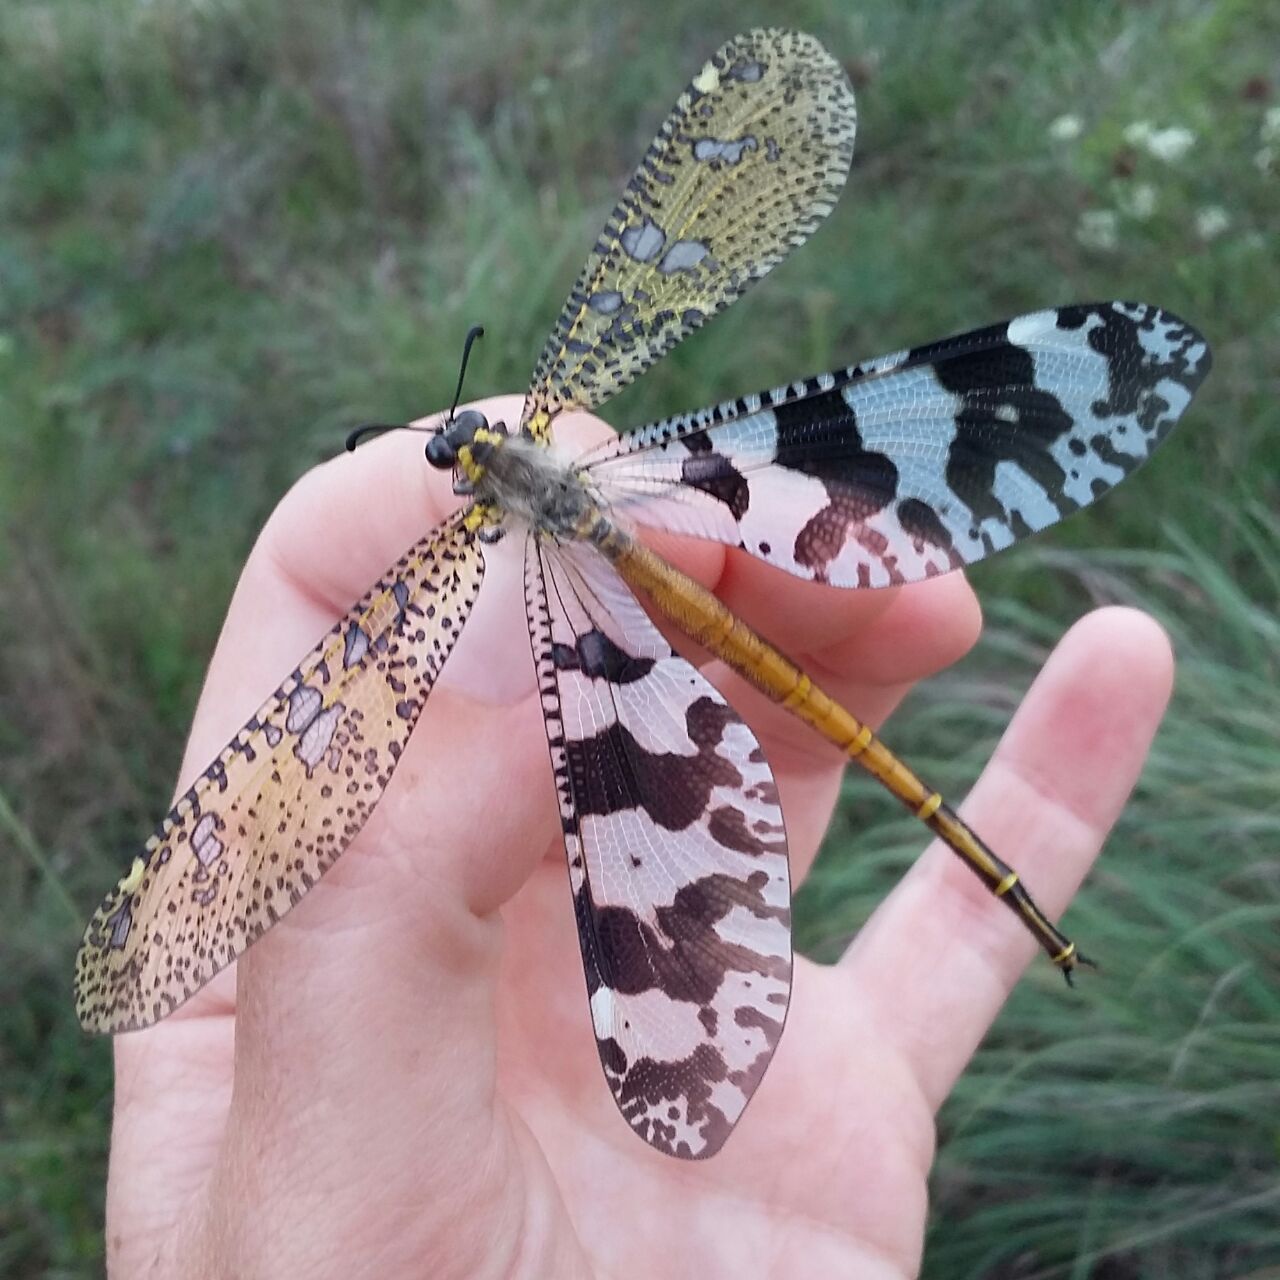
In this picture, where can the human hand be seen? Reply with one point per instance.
(401, 1079)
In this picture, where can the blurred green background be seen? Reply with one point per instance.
(231, 228)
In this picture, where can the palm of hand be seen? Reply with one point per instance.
(405, 1083)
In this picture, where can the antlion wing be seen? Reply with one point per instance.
(677, 857)
(922, 461)
(283, 799)
(751, 159)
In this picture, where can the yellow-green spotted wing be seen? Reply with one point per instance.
(283, 799)
(751, 159)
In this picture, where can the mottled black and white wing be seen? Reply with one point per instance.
(924, 460)
(677, 857)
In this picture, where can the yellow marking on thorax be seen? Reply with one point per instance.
(473, 470)
(468, 465)
(539, 425)
(479, 515)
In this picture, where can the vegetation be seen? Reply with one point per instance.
(231, 228)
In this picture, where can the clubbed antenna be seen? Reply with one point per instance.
(357, 434)
(476, 331)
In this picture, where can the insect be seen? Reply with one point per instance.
(881, 473)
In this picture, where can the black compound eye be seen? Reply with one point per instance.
(440, 452)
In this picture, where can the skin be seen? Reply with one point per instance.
(400, 1078)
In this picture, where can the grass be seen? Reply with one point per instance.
(230, 228)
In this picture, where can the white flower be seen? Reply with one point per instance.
(1171, 144)
(1270, 130)
(1066, 128)
(1139, 200)
(1264, 159)
(1211, 221)
(1098, 229)
(1165, 144)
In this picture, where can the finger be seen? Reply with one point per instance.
(826, 624)
(854, 642)
(938, 958)
(920, 630)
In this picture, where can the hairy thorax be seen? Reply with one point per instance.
(528, 481)
(513, 475)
